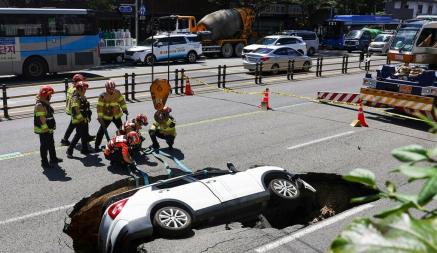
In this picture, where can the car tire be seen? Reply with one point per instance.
(191, 57)
(172, 221)
(282, 188)
(35, 67)
(311, 51)
(227, 50)
(275, 69)
(306, 66)
(238, 49)
(150, 60)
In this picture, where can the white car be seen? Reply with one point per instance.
(182, 47)
(173, 206)
(293, 42)
(381, 43)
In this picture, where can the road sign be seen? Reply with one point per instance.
(125, 9)
(142, 10)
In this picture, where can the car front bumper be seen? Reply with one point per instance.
(135, 57)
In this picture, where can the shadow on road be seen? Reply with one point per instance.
(91, 160)
(56, 173)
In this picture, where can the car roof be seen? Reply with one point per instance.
(298, 31)
(279, 36)
(165, 35)
(273, 47)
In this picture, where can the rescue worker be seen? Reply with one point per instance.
(70, 91)
(135, 125)
(164, 127)
(117, 150)
(80, 117)
(110, 108)
(44, 125)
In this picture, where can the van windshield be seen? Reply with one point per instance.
(404, 39)
(354, 34)
(382, 38)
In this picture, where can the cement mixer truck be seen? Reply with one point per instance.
(224, 32)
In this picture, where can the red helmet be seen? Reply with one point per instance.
(133, 138)
(82, 84)
(110, 85)
(78, 77)
(167, 109)
(142, 119)
(128, 126)
(45, 91)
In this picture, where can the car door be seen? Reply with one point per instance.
(281, 58)
(178, 47)
(240, 184)
(161, 49)
(298, 58)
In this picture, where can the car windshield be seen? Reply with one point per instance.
(382, 38)
(263, 50)
(147, 42)
(355, 34)
(267, 41)
(404, 39)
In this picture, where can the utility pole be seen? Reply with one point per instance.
(136, 20)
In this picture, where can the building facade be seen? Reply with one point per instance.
(411, 9)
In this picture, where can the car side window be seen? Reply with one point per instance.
(178, 40)
(281, 51)
(292, 52)
(163, 41)
(281, 42)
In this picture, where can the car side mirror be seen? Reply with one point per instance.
(231, 167)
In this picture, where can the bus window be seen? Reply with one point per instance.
(55, 26)
(20, 25)
(79, 25)
(427, 38)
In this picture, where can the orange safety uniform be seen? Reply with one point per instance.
(117, 150)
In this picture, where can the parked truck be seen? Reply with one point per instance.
(223, 32)
(411, 85)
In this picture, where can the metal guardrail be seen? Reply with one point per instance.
(131, 85)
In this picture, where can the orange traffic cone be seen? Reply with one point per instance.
(188, 90)
(361, 121)
(265, 102)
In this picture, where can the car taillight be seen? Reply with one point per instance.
(116, 208)
(264, 58)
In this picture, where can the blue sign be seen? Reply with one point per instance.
(125, 9)
(142, 10)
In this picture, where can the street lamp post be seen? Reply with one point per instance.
(136, 20)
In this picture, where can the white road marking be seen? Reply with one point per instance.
(293, 105)
(11, 155)
(36, 214)
(313, 228)
(320, 140)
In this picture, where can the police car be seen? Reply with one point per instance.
(182, 47)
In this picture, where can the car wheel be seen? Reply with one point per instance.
(311, 51)
(227, 50)
(35, 67)
(192, 57)
(306, 66)
(172, 220)
(275, 69)
(283, 188)
(150, 59)
(238, 50)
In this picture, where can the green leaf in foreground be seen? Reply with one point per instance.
(365, 199)
(394, 234)
(362, 176)
(428, 191)
(411, 153)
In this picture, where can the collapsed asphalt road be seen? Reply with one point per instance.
(333, 196)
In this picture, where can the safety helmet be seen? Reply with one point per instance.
(45, 91)
(82, 84)
(110, 85)
(133, 138)
(78, 77)
(128, 125)
(142, 119)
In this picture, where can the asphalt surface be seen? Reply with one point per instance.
(213, 128)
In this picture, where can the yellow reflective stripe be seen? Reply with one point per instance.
(118, 115)
(79, 116)
(100, 103)
(114, 104)
(107, 117)
(121, 99)
(40, 114)
(124, 106)
(101, 114)
(44, 126)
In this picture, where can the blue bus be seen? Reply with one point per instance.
(34, 42)
(334, 30)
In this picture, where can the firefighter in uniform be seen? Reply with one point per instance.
(80, 117)
(70, 91)
(164, 127)
(135, 125)
(110, 108)
(118, 148)
(44, 125)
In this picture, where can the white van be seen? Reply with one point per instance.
(309, 37)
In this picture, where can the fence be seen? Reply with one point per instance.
(224, 75)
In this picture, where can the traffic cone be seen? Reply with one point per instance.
(361, 121)
(188, 90)
(265, 102)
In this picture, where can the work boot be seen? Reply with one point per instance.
(56, 160)
(69, 153)
(45, 164)
(65, 142)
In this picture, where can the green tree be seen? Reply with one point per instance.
(102, 5)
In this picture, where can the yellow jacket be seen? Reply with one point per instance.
(168, 127)
(111, 106)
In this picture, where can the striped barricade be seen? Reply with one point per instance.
(350, 98)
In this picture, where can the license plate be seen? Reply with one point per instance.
(405, 89)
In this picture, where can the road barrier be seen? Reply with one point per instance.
(137, 85)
